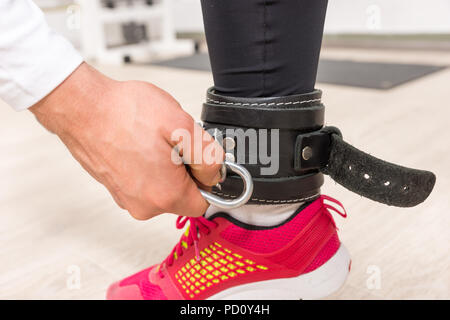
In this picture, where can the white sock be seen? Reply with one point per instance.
(259, 215)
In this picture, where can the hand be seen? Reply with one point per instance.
(121, 133)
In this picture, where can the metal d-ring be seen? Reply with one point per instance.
(239, 201)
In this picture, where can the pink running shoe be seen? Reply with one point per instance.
(301, 258)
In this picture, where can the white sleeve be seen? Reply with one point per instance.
(34, 60)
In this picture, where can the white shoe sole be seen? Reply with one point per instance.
(316, 284)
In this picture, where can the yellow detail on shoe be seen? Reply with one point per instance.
(215, 266)
(184, 244)
(262, 267)
(175, 255)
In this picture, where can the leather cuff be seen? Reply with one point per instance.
(290, 130)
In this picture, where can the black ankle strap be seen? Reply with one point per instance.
(259, 122)
(297, 112)
(305, 150)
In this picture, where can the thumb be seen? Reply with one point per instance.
(208, 170)
(200, 152)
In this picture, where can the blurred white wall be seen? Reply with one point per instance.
(188, 15)
(51, 3)
(344, 16)
(388, 16)
(354, 16)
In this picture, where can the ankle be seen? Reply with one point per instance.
(259, 215)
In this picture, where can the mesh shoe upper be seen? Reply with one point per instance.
(225, 253)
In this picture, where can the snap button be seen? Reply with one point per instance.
(229, 143)
(307, 153)
(230, 157)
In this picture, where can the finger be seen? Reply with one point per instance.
(199, 151)
(208, 171)
(190, 201)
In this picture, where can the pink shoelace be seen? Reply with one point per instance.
(197, 226)
(342, 213)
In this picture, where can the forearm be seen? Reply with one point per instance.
(75, 102)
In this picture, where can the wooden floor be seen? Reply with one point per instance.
(57, 223)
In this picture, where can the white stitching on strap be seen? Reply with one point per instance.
(269, 201)
(262, 104)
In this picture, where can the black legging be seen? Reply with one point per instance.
(262, 48)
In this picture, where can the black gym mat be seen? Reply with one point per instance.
(373, 75)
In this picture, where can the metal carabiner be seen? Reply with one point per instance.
(239, 201)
